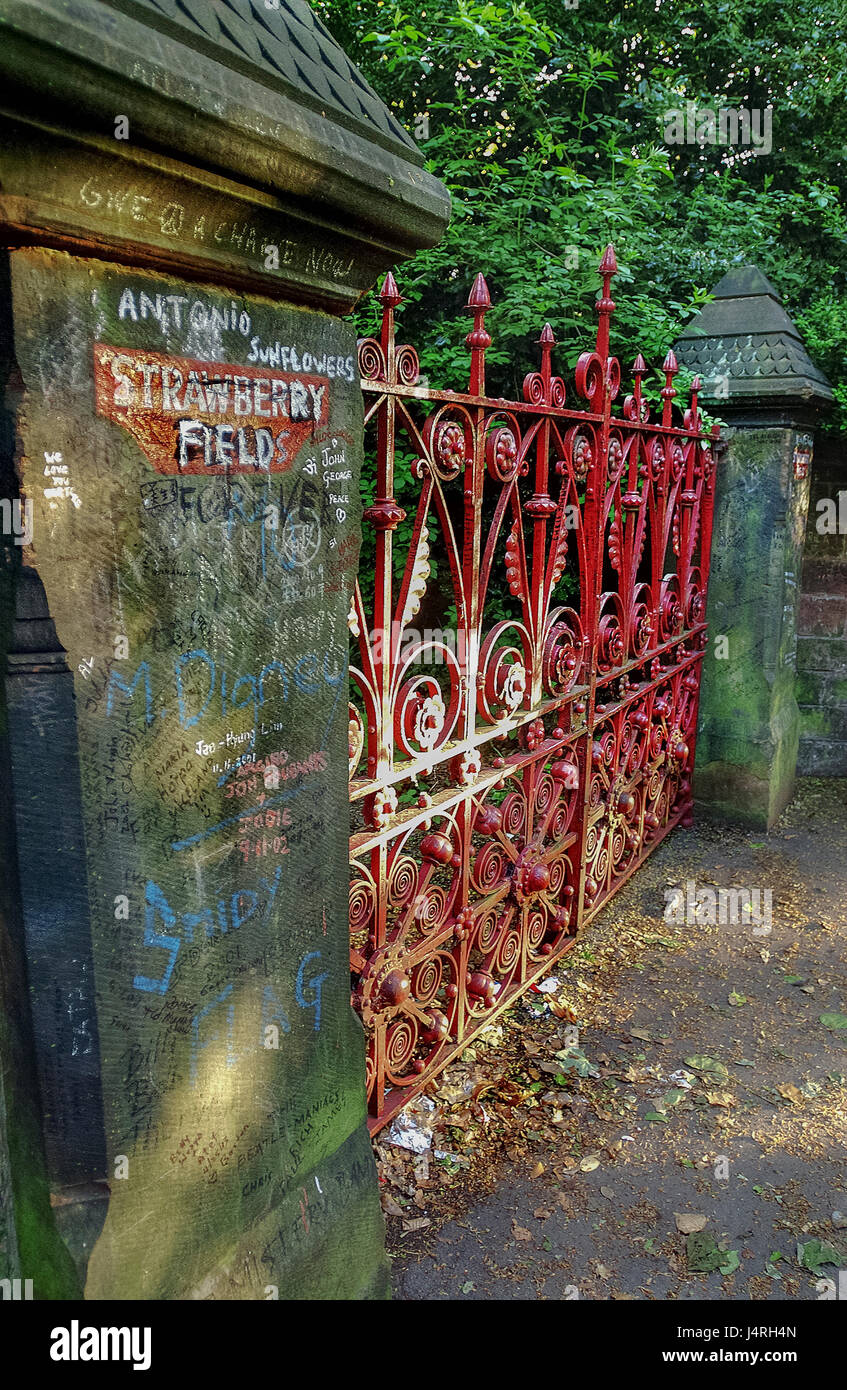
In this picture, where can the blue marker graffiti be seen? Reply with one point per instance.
(271, 1011)
(273, 683)
(230, 914)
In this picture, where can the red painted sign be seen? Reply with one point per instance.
(803, 456)
(208, 417)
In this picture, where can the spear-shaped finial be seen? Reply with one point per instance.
(479, 302)
(692, 414)
(670, 369)
(389, 295)
(605, 304)
(547, 342)
(389, 298)
(639, 367)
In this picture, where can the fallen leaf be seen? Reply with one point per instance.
(641, 1033)
(838, 1021)
(722, 1098)
(737, 999)
(589, 1164)
(792, 1093)
(541, 1213)
(816, 1253)
(700, 1062)
(418, 1224)
(607, 1191)
(688, 1222)
(520, 1232)
(562, 1011)
(702, 1254)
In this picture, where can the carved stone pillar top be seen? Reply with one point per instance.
(233, 138)
(749, 354)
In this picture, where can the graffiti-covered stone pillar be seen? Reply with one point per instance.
(192, 207)
(757, 377)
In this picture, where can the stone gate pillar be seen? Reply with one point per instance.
(757, 377)
(191, 208)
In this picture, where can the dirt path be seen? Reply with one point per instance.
(694, 1076)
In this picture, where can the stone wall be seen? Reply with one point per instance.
(822, 621)
(182, 1098)
(747, 740)
(176, 680)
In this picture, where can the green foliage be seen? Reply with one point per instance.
(548, 126)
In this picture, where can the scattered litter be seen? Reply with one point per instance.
(407, 1131)
(548, 986)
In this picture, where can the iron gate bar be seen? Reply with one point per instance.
(559, 741)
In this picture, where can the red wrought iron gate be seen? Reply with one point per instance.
(513, 764)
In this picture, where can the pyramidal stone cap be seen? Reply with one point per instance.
(747, 350)
(202, 132)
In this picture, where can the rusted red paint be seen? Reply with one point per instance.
(553, 750)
